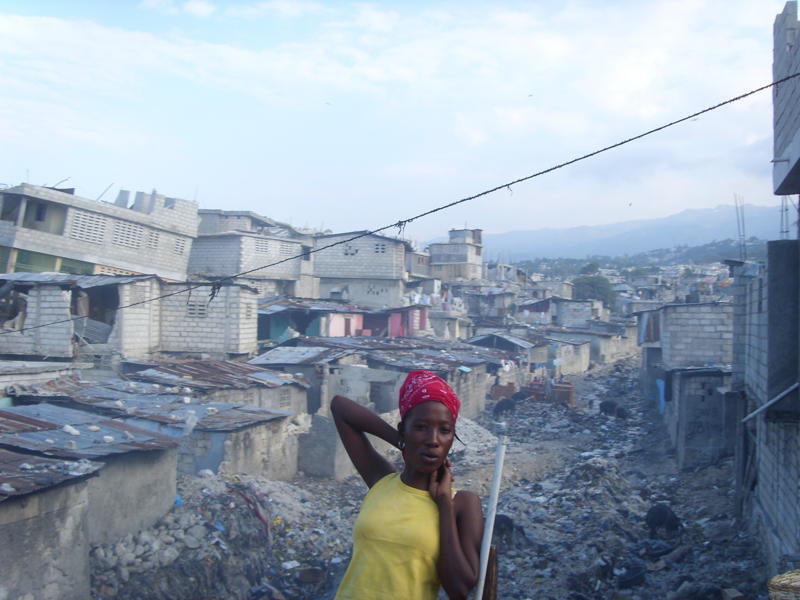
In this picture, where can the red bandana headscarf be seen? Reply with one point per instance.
(425, 386)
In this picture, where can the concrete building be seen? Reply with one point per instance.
(317, 364)
(228, 382)
(49, 230)
(237, 241)
(785, 103)
(546, 288)
(44, 517)
(369, 271)
(83, 320)
(139, 466)
(766, 371)
(461, 258)
(282, 318)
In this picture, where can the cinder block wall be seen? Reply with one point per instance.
(137, 330)
(701, 429)
(225, 325)
(694, 335)
(360, 258)
(157, 241)
(45, 304)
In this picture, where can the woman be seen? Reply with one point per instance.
(412, 535)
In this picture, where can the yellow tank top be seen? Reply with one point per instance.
(395, 545)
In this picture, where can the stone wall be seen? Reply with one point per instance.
(45, 545)
(286, 397)
(695, 335)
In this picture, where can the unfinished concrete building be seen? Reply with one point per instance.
(231, 242)
(369, 271)
(687, 351)
(460, 258)
(49, 230)
(83, 320)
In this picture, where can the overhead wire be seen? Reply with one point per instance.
(402, 223)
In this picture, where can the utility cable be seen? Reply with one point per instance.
(402, 223)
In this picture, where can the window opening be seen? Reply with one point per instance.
(196, 310)
(380, 248)
(88, 227)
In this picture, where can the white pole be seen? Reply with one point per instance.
(488, 527)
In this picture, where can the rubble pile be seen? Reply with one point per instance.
(579, 531)
(575, 518)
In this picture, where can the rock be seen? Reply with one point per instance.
(289, 564)
(197, 531)
(191, 542)
(168, 555)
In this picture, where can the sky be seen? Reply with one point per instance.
(353, 115)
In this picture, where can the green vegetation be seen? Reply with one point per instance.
(594, 287)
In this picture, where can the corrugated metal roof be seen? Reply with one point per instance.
(22, 474)
(270, 306)
(299, 355)
(49, 430)
(511, 339)
(133, 399)
(208, 375)
(82, 281)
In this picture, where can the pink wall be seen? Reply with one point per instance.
(337, 324)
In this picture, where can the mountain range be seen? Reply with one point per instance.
(692, 227)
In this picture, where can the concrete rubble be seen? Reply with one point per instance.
(576, 489)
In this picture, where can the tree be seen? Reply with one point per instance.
(590, 268)
(593, 287)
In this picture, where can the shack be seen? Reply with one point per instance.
(138, 475)
(44, 519)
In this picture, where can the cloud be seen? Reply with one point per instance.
(287, 9)
(509, 90)
(199, 8)
(194, 8)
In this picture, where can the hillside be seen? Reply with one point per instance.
(694, 227)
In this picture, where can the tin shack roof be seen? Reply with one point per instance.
(67, 433)
(299, 355)
(269, 306)
(22, 474)
(134, 399)
(215, 374)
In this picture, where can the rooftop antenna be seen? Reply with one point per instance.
(108, 187)
(739, 207)
(60, 182)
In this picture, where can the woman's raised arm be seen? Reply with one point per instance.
(353, 422)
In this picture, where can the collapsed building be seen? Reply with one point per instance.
(74, 316)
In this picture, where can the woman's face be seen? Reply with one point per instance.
(428, 432)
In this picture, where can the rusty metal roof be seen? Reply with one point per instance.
(51, 430)
(215, 374)
(134, 399)
(22, 474)
(368, 345)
